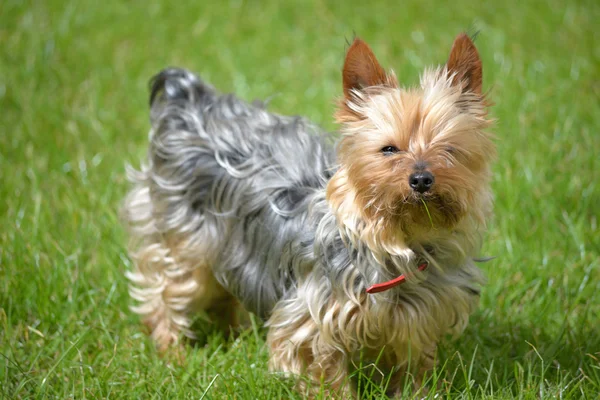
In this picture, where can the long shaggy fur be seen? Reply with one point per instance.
(237, 204)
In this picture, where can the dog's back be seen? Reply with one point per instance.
(231, 178)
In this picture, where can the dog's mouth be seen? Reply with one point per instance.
(430, 210)
(426, 200)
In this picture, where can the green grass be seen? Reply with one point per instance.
(73, 111)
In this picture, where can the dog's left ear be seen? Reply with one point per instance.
(361, 69)
(464, 63)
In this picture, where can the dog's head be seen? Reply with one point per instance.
(412, 159)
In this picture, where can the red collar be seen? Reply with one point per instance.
(381, 287)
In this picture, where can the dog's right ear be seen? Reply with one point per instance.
(464, 64)
(361, 69)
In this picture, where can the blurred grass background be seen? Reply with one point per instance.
(73, 111)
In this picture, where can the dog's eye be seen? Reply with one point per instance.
(389, 150)
(450, 149)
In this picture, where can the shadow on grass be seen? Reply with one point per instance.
(489, 359)
(515, 358)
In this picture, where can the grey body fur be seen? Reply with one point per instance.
(241, 178)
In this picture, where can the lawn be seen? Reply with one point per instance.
(73, 112)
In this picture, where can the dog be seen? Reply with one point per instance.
(361, 251)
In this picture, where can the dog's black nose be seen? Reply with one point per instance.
(421, 181)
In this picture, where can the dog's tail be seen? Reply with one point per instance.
(176, 86)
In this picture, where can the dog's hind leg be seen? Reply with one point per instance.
(172, 278)
(169, 290)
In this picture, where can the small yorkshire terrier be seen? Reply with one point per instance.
(366, 253)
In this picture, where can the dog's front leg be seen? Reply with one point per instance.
(297, 349)
(412, 381)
